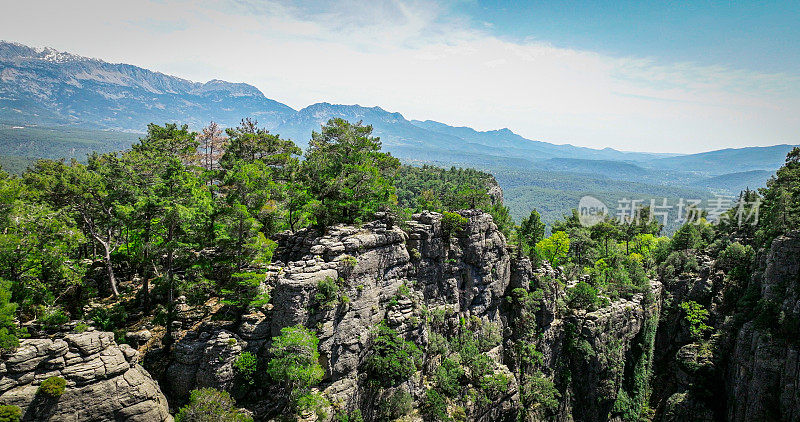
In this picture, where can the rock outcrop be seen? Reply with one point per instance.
(104, 382)
(428, 283)
(466, 272)
(763, 379)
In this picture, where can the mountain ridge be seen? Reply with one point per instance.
(48, 89)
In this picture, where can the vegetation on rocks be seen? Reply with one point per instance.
(483, 318)
(210, 405)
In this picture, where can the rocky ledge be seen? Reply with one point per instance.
(104, 382)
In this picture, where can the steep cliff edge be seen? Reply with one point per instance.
(451, 290)
(763, 377)
(104, 382)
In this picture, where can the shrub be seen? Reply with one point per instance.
(392, 360)
(687, 237)
(245, 366)
(539, 392)
(349, 261)
(695, 316)
(81, 327)
(453, 223)
(395, 406)
(435, 406)
(109, 319)
(245, 291)
(313, 402)
(677, 263)
(555, 248)
(54, 317)
(448, 377)
(736, 260)
(295, 358)
(327, 292)
(8, 328)
(210, 405)
(354, 416)
(8, 340)
(52, 387)
(494, 384)
(583, 296)
(10, 413)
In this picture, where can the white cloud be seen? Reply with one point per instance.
(426, 62)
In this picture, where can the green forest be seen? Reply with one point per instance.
(114, 239)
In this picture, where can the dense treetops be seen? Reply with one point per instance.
(72, 233)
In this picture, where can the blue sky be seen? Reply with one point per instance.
(637, 76)
(755, 35)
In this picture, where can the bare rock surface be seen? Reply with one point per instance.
(104, 380)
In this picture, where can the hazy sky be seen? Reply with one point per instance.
(627, 75)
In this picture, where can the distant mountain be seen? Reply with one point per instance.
(45, 86)
(42, 91)
(736, 182)
(509, 142)
(729, 160)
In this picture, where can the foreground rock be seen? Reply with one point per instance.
(104, 380)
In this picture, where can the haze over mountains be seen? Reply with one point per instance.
(44, 90)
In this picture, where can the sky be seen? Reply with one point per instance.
(630, 75)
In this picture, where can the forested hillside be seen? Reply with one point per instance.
(253, 285)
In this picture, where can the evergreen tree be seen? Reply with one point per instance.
(347, 174)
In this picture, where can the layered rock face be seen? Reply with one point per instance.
(462, 274)
(104, 382)
(763, 379)
(422, 280)
(593, 357)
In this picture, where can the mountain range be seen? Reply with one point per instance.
(55, 104)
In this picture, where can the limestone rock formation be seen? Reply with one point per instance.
(104, 382)
(763, 379)
(422, 280)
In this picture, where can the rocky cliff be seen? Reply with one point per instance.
(763, 377)
(437, 287)
(104, 382)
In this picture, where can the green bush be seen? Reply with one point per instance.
(435, 406)
(327, 293)
(54, 317)
(210, 405)
(453, 223)
(677, 263)
(392, 360)
(354, 416)
(8, 340)
(695, 316)
(448, 377)
(394, 407)
(539, 392)
(10, 413)
(295, 358)
(583, 296)
(245, 366)
(687, 237)
(9, 331)
(245, 291)
(52, 387)
(313, 402)
(494, 384)
(736, 260)
(109, 319)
